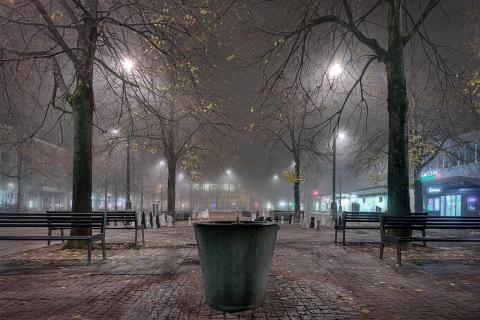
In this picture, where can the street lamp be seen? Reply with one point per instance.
(335, 70)
(162, 165)
(275, 180)
(128, 66)
(229, 173)
(115, 133)
(341, 136)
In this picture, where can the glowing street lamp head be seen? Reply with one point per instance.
(335, 70)
(115, 131)
(162, 163)
(228, 171)
(341, 135)
(127, 64)
(275, 177)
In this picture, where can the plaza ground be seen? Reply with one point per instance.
(311, 278)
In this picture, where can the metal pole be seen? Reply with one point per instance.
(228, 195)
(115, 189)
(334, 203)
(340, 191)
(128, 204)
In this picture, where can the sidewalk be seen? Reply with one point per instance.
(311, 279)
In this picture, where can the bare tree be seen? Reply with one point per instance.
(75, 40)
(372, 31)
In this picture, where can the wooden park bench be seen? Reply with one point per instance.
(360, 220)
(93, 220)
(423, 223)
(121, 220)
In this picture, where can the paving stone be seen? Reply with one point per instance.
(311, 278)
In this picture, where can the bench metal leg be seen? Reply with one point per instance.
(343, 236)
(382, 247)
(143, 237)
(399, 253)
(136, 232)
(423, 235)
(89, 257)
(61, 232)
(49, 234)
(336, 235)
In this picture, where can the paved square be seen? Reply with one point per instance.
(312, 278)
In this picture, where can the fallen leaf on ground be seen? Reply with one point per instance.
(365, 311)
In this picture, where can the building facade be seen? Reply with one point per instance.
(450, 184)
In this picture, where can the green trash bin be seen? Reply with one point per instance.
(235, 259)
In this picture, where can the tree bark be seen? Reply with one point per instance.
(82, 104)
(398, 186)
(296, 189)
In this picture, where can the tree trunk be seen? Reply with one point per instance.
(172, 167)
(398, 187)
(82, 104)
(296, 190)
(418, 191)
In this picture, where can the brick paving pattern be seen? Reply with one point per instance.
(311, 279)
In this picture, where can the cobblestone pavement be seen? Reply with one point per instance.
(311, 278)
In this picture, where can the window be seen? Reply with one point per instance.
(472, 204)
(363, 200)
(380, 199)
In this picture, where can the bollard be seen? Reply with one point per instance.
(157, 220)
(290, 219)
(312, 222)
(281, 220)
(322, 220)
(151, 219)
(189, 221)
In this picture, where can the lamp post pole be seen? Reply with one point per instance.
(128, 203)
(228, 195)
(333, 209)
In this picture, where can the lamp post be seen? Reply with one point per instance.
(275, 180)
(115, 186)
(128, 203)
(128, 66)
(162, 165)
(341, 136)
(229, 173)
(334, 71)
